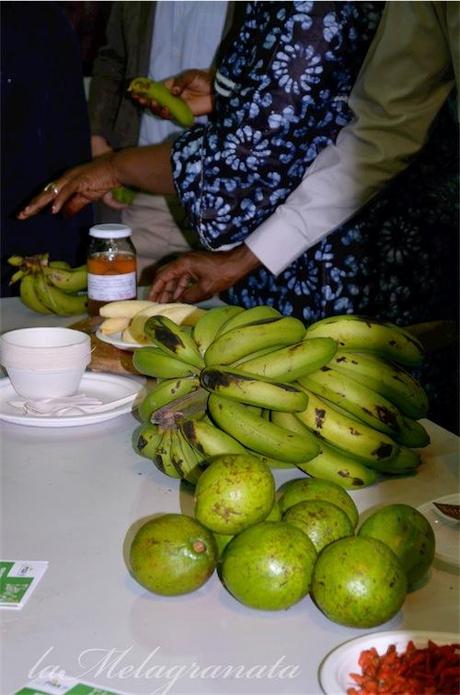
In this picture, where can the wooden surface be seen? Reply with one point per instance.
(104, 357)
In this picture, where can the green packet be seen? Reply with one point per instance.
(49, 687)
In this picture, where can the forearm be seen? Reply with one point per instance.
(147, 168)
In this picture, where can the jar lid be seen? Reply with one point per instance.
(111, 230)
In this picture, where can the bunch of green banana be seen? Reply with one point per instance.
(327, 399)
(50, 287)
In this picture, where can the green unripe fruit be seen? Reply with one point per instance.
(234, 492)
(269, 566)
(172, 554)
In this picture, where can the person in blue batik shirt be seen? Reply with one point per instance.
(281, 96)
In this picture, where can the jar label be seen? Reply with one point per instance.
(111, 287)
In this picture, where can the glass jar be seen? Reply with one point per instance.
(111, 266)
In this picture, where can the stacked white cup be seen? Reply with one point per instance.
(45, 362)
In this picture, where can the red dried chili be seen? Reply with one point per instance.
(431, 670)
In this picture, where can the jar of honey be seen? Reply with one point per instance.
(111, 266)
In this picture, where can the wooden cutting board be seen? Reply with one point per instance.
(104, 357)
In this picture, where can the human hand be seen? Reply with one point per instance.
(75, 189)
(99, 147)
(192, 86)
(198, 275)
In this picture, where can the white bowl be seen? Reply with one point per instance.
(45, 362)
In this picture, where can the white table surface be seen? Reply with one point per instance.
(71, 495)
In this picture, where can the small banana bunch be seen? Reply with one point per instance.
(335, 399)
(50, 287)
(128, 317)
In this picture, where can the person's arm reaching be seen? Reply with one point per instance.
(148, 168)
(406, 77)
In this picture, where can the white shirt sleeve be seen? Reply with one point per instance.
(406, 77)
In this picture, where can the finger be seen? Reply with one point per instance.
(196, 293)
(180, 285)
(168, 291)
(36, 204)
(74, 204)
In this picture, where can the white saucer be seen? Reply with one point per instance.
(106, 387)
(446, 530)
(334, 671)
(115, 340)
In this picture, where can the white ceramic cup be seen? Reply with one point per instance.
(45, 362)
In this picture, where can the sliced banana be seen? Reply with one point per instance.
(126, 308)
(114, 325)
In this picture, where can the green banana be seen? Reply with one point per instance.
(272, 332)
(184, 458)
(260, 435)
(18, 275)
(289, 421)
(60, 264)
(346, 432)
(393, 382)
(209, 323)
(146, 440)
(243, 318)
(57, 301)
(412, 434)
(179, 109)
(241, 387)
(163, 457)
(208, 439)
(405, 461)
(289, 363)
(369, 335)
(173, 340)
(29, 296)
(338, 467)
(270, 461)
(16, 261)
(73, 280)
(153, 362)
(165, 392)
(359, 400)
(331, 463)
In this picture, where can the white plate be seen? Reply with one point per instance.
(446, 531)
(335, 669)
(105, 387)
(116, 341)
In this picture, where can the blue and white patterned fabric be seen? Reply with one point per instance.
(281, 96)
